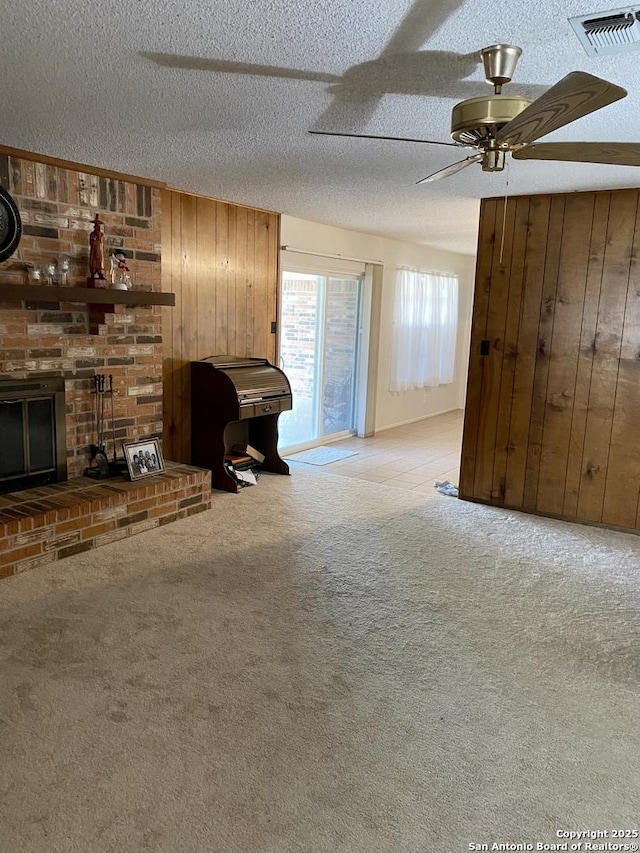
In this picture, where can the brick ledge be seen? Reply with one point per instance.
(41, 525)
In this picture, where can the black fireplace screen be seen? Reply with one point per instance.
(32, 443)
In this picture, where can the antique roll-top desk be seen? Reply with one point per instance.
(236, 400)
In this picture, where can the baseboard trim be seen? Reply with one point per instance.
(421, 418)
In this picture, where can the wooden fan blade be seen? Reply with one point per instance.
(393, 138)
(576, 95)
(613, 153)
(452, 169)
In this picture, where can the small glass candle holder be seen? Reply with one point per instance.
(60, 276)
(35, 275)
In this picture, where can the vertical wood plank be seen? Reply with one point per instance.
(251, 255)
(232, 341)
(272, 275)
(545, 332)
(510, 348)
(206, 339)
(486, 239)
(176, 425)
(260, 303)
(178, 325)
(241, 267)
(585, 351)
(166, 274)
(622, 486)
(222, 278)
(607, 344)
(524, 372)
(178, 356)
(189, 319)
(492, 373)
(563, 354)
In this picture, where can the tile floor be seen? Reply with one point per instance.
(413, 456)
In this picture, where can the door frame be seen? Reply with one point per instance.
(369, 301)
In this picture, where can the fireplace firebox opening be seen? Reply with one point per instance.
(33, 449)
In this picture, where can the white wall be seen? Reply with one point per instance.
(394, 409)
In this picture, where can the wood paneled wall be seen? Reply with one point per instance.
(221, 261)
(552, 414)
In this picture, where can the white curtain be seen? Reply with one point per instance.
(424, 333)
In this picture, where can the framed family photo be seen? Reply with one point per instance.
(144, 458)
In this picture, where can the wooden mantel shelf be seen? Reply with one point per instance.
(88, 295)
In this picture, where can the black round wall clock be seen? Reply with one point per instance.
(10, 225)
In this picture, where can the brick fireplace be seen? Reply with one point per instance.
(57, 338)
(67, 340)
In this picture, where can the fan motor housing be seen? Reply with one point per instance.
(477, 119)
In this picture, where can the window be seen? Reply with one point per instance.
(424, 334)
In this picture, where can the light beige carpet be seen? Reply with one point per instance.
(320, 664)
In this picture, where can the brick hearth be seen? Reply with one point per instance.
(39, 526)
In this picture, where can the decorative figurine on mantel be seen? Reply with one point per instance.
(120, 272)
(96, 256)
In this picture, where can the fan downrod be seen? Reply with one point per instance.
(500, 62)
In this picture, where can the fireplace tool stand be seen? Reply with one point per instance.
(104, 467)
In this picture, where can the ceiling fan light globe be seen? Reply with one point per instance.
(500, 62)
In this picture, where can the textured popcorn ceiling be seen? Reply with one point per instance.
(217, 98)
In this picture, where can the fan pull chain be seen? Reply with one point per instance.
(504, 212)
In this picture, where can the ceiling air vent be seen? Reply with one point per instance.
(601, 33)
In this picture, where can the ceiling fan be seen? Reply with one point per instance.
(496, 125)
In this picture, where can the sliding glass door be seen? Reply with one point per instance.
(320, 321)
